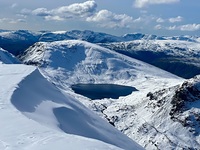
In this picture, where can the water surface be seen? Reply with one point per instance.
(100, 91)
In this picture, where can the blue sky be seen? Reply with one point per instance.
(161, 17)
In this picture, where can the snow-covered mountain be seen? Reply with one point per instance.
(35, 114)
(87, 35)
(81, 61)
(7, 58)
(153, 116)
(17, 41)
(179, 57)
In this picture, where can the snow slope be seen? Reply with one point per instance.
(65, 63)
(36, 115)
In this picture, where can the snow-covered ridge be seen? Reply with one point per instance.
(45, 118)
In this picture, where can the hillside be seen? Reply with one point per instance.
(150, 115)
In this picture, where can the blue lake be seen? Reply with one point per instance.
(100, 91)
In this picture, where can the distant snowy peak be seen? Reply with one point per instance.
(183, 38)
(23, 35)
(169, 47)
(54, 36)
(99, 37)
(17, 41)
(7, 58)
(140, 36)
(87, 35)
(22, 39)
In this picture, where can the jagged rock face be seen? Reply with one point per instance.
(186, 104)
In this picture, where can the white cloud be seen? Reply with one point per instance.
(158, 27)
(138, 20)
(41, 12)
(172, 28)
(54, 18)
(160, 20)
(75, 10)
(83, 9)
(25, 12)
(143, 3)
(108, 19)
(186, 27)
(86, 11)
(176, 19)
(190, 27)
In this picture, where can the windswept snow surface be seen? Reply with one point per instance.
(65, 63)
(34, 114)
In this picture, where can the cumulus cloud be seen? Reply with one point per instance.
(160, 20)
(176, 19)
(186, 27)
(41, 12)
(143, 3)
(158, 27)
(83, 9)
(86, 11)
(111, 20)
(65, 12)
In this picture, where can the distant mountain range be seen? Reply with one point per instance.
(178, 54)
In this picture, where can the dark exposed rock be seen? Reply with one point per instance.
(185, 105)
